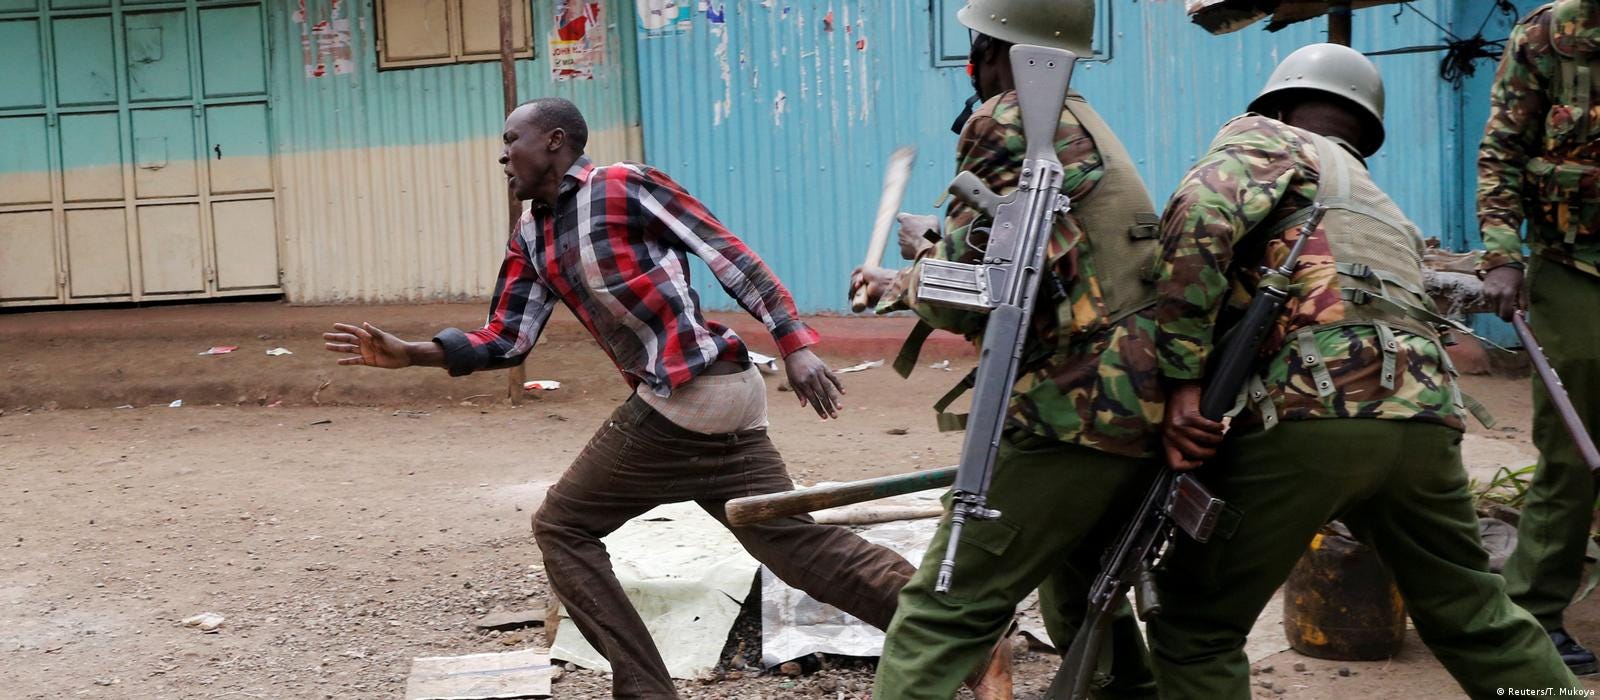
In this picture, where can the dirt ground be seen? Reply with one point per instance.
(346, 520)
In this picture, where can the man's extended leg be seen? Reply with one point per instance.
(1051, 496)
(1284, 484)
(1421, 522)
(602, 489)
(830, 563)
(1544, 572)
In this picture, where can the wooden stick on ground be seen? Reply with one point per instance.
(755, 509)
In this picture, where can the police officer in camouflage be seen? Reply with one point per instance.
(1540, 165)
(1082, 442)
(1353, 412)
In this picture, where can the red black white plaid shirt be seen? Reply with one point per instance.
(614, 249)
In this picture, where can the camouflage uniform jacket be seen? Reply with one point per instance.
(1217, 231)
(1527, 120)
(1098, 386)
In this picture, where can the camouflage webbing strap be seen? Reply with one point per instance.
(1391, 354)
(1415, 313)
(1311, 359)
(1462, 398)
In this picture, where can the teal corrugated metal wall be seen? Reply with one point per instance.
(782, 125)
(389, 186)
(781, 121)
(430, 104)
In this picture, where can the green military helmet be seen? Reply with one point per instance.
(1062, 24)
(1334, 70)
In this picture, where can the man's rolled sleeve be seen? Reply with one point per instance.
(794, 336)
(461, 357)
(517, 314)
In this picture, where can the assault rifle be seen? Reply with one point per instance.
(1175, 500)
(1005, 283)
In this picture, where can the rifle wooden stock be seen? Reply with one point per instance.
(755, 509)
(1558, 393)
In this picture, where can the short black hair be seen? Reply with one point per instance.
(985, 46)
(560, 113)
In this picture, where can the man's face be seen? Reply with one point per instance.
(987, 67)
(529, 156)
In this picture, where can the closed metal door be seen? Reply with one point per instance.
(135, 153)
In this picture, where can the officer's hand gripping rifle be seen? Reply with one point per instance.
(1006, 282)
(1175, 500)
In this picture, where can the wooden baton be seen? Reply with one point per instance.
(895, 176)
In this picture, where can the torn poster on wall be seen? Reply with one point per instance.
(325, 45)
(578, 43)
(659, 18)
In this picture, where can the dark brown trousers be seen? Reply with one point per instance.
(638, 460)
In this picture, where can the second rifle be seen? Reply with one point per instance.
(1175, 501)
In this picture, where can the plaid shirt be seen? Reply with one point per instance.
(614, 249)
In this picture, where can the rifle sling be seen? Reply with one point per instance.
(951, 422)
(906, 360)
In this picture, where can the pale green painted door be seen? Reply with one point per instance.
(135, 154)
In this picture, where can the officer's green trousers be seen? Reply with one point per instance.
(1060, 505)
(1400, 487)
(1545, 571)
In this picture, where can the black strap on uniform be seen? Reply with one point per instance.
(951, 422)
(948, 421)
(966, 114)
(906, 360)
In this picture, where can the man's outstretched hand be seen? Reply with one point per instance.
(813, 382)
(368, 345)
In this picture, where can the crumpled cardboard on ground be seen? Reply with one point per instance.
(524, 673)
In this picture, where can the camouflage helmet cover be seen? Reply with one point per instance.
(1335, 70)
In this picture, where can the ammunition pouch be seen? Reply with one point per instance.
(1564, 194)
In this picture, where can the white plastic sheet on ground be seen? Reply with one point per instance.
(686, 575)
(794, 624)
